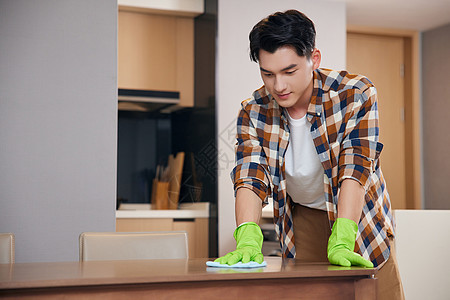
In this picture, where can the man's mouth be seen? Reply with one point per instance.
(283, 96)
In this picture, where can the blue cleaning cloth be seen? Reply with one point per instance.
(251, 264)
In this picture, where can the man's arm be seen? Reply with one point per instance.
(341, 243)
(351, 200)
(248, 206)
(252, 186)
(248, 236)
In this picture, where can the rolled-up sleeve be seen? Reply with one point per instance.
(360, 148)
(251, 162)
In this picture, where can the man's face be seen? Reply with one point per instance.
(288, 76)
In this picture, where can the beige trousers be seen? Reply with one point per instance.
(311, 232)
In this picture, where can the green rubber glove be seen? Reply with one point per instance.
(341, 245)
(249, 239)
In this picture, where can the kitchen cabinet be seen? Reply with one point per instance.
(156, 53)
(192, 218)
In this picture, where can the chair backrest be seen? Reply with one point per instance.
(7, 250)
(133, 245)
(422, 241)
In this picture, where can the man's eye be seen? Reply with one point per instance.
(268, 74)
(290, 72)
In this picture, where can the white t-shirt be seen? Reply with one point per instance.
(304, 172)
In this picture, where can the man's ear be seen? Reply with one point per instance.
(316, 57)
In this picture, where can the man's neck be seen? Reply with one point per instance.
(297, 113)
(300, 108)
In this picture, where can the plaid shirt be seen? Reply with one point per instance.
(344, 127)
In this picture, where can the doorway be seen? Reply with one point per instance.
(387, 60)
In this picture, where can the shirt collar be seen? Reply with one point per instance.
(315, 105)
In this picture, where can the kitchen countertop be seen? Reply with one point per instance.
(267, 211)
(185, 211)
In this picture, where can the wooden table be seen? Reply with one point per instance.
(184, 279)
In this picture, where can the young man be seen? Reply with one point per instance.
(309, 139)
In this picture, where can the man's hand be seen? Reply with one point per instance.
(342, 243)
(249, 239)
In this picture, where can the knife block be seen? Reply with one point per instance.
(160, 194)
(175, 175)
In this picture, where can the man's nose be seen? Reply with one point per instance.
(279, 84)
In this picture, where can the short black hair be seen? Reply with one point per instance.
(289, 28)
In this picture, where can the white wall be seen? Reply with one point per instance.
(58, 123)
(436, 140)
(237, 77)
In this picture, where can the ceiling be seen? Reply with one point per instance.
(420, 15)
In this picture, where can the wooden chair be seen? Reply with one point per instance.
(133, 245)
(7, 250)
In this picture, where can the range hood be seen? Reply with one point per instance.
(187, 8)
(147, 101)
